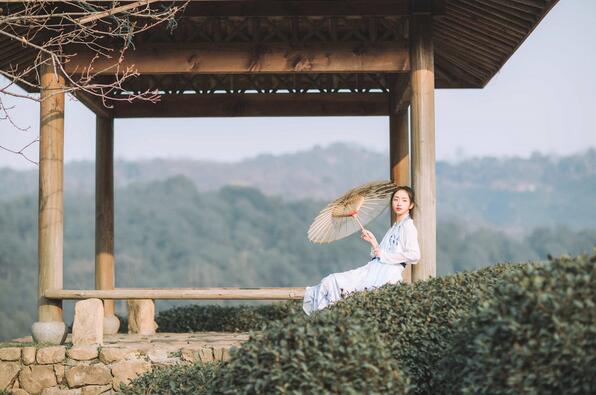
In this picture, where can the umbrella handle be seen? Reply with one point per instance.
(355, 216)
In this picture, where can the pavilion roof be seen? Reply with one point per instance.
(472, 40)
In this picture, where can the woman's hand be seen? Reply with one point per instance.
(367, 235)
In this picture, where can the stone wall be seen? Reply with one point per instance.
(94, 370)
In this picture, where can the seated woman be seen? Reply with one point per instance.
(398, 248)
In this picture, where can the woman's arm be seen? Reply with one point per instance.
(372, 252)
(406, 252)
(368, 236)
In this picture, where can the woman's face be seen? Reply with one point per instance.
(401, 203)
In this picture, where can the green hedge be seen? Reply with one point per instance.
(325, 354)
(505, 329)
(535, 335)
(409, 325)
(419, 320)
(179, 380)
(197, 318)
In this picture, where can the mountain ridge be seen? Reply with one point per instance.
(510, 193)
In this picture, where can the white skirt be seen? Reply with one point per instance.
(338, 285)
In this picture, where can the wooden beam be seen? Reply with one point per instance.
(423, 144)
(209, 58)
(51, 192)
(257, 105)
(522, 16)
(181, 294)
(467, 21)
(451, 57)
(298, 8)
(498, 16)
(92, 103)
(478, 62)
(472, 12)
(468, 31)
(197, 8)
(104, 213)
(457, 71)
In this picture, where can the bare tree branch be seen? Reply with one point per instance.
(38, 32)
(115, 10)
(21, 151)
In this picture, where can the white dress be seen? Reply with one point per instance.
(398, 248)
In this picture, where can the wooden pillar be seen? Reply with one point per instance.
(104, 214)
(399, 145)
(51, 193)
(423, 142)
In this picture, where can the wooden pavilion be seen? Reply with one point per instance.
(242, 58)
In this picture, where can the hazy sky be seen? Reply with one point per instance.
(543, 99)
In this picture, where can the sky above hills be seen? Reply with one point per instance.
(541, 100)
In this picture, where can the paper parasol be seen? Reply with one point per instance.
(351, 212)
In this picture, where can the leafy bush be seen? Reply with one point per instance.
(325, 354)
(179, 380)
(196, 318)
(408, 325)
(536, 335)
(505, 329)
(418, 321)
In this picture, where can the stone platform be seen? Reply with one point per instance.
(26, 368)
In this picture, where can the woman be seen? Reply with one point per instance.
(389, 258)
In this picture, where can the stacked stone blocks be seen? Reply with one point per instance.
(87, 370)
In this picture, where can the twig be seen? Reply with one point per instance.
(114, 10)
(20, 152)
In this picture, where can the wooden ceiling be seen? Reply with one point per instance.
(312, 46)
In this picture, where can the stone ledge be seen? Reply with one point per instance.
(83, 353)
(68, 370)
(49, 355)
(10, 354)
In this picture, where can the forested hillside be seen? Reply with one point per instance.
(320, 173)
(169, 234)
(511, 194)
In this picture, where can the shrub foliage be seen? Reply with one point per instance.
(407, 325)
(419, 320)
(535, 335)
(506, 329)
(179, 380)
(326, 354)
(197, 318)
